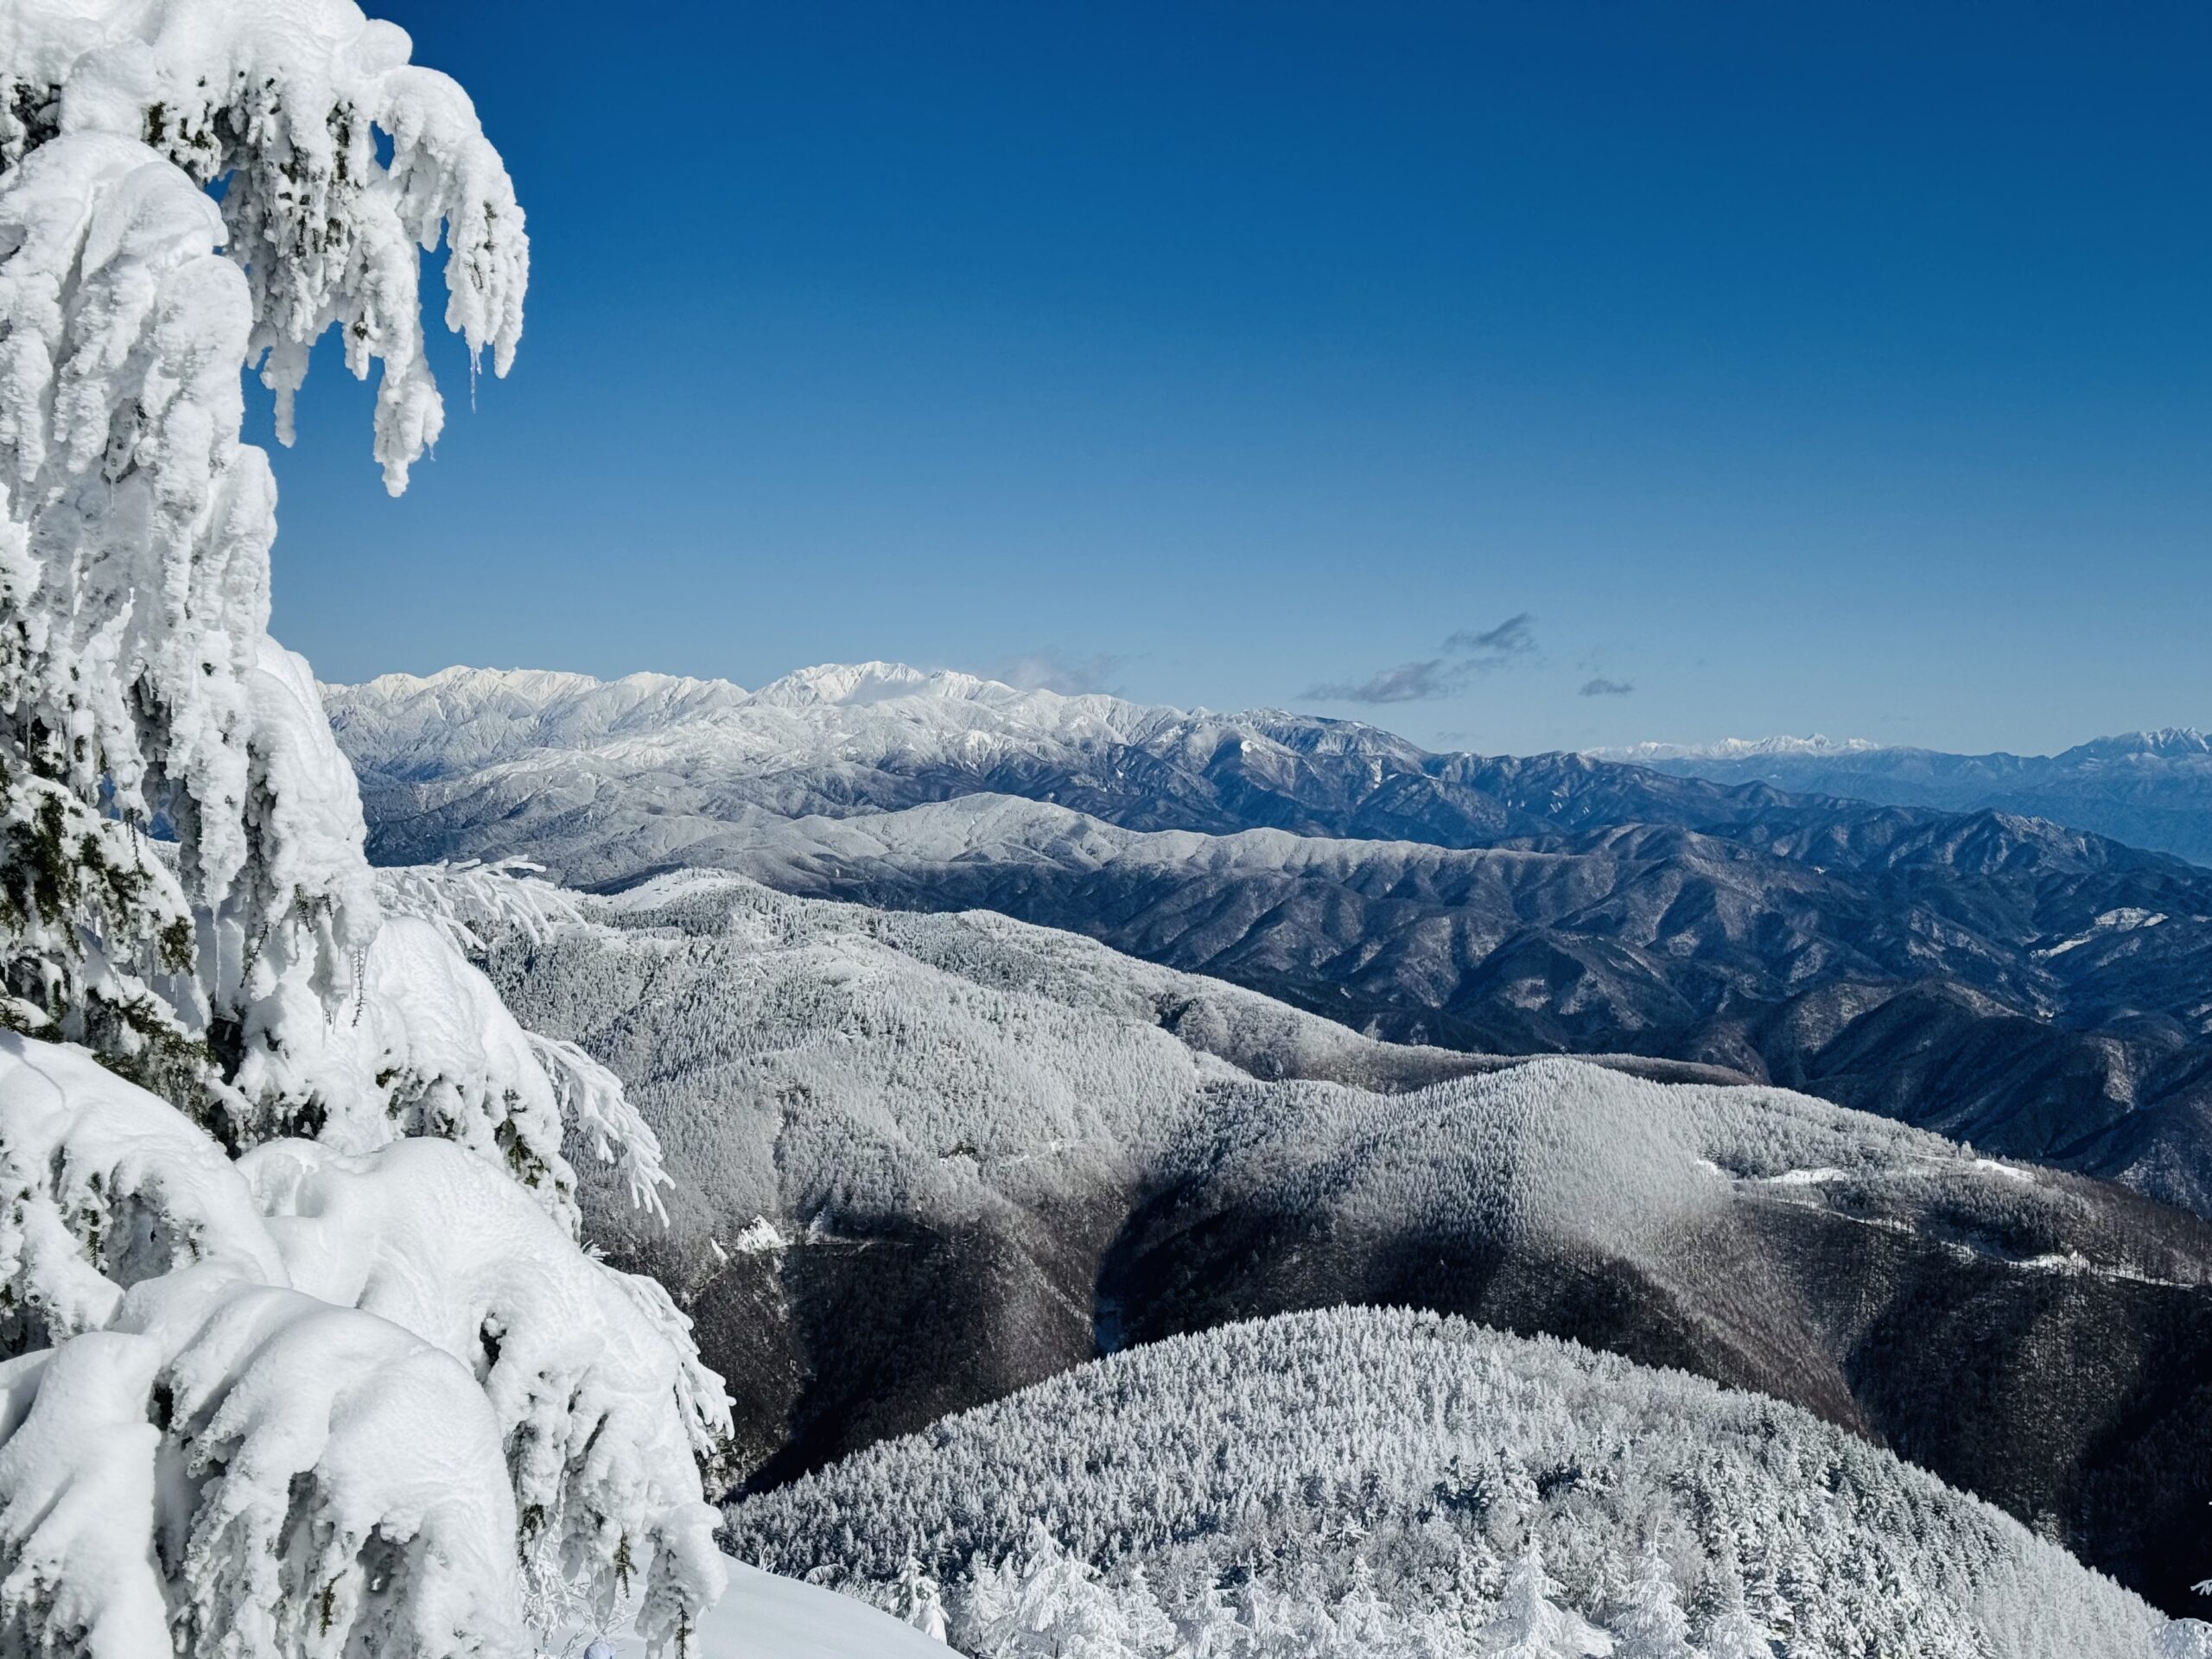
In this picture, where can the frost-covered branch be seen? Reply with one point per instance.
(135, 671)
(473, 904)
(598, 1111)
(138, 687)
(476, 906)
(288, 106)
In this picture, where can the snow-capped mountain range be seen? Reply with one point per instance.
(1946, 969)
(1733, 748)
(876, 737)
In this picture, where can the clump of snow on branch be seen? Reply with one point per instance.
(286, 104)
(474, 904)
(366, 1379)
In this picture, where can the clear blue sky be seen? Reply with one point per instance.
(1810, 366)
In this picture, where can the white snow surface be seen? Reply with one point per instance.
(763, 1616)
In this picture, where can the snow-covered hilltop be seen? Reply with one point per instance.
(1383, 1484)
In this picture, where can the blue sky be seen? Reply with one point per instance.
(1822, 367)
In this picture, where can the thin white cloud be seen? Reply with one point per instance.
(1052, 670)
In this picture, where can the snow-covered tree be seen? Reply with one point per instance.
(1205, 1623)
(1652, 1625)
(1048, 1604)
(139, 689)
(299, 1352)
(1531, 1625)
(1734, 1632)
(921, 1604)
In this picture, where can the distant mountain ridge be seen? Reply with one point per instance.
(881, 736)
(1956, 971)
(2151, 789)
(1734, 748)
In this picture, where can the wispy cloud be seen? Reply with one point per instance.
(1515, 637)
(1602, 687)
(1465, 654)
(1407, 682)
(1053, 670)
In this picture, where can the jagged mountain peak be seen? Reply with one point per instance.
(871, 682)
(2161, 743)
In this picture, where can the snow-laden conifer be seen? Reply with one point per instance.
(1531, 1625)
(1734, 1632)
(300, 1355)
(1652, 1624)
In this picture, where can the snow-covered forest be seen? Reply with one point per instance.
(1375, 1482)
(918, 1161)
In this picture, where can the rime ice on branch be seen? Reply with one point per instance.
(138, 687)
(286, 104)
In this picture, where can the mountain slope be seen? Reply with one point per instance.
(924, 1161)
(2150, 789)
(1371, 1478)
(2034, 988)
(1991, 981)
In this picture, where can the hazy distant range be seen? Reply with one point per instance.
(2150, 789)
